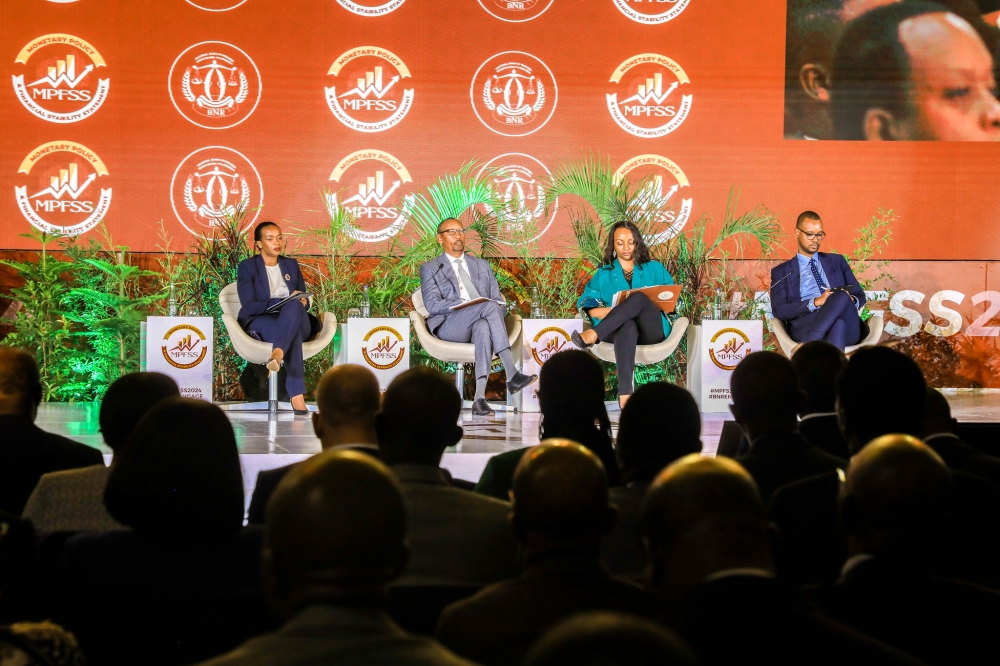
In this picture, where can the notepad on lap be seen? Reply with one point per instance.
(664, 296)
(465, 304)
(294, 297)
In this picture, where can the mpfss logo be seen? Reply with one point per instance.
(57, 193)
(370, 7)
(518, 180)
(383, 348)
(372, 95)
(373, 181)
(59, 81)
(214, 85)
(661, 180)
(210, 184)
(651, 12)
(516, 11)
(728, 347)
(184, 346)
(653, 104)
(514, 93)
(550, 340)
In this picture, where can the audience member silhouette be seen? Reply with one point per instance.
(880, 392)
(559, 511)
(610, 639)
(186, 578)
(456, 537)
(939, 433)
(659, 424)
(711, 558)
(336, 538)
(818, 365)
(347, 399)
(894, 508)
(571, 400)
(26, 451)
(73, 500)
(766, 402)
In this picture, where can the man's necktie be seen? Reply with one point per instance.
(816, 275)
(466, 280)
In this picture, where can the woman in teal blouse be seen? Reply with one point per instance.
(636, 320)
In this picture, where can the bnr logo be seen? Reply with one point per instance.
(733, 348)
(517, 180)
(214, 85)
(188, 350)
(522, 94)
(516, 11)
(221, 86)
(655, 106)
(62, 196)
(371, 97)
(555, 340)
(383, 352)
(214, 189)
(516, 90)
(62, 87)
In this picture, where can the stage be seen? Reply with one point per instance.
(268, 443)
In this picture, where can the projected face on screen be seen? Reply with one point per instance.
(880, 70)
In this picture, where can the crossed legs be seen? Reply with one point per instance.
(836, 322)
(482, 325)
(286, 332)
(635, 321)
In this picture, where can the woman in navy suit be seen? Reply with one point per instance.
(263, 280)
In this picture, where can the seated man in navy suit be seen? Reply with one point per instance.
(815, 294)
(453, 278)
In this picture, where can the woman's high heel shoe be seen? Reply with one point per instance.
(273, 365)
(578, 341)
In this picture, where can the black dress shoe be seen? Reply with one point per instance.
(481, 408)
(519, 381)
(300, 412)
(578, 341)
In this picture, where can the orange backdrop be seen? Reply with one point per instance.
(193, 107)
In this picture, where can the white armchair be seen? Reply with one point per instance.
(255, 351)
(875, 326)
(646, 354)
(458, 352)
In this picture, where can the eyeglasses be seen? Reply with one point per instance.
(453, 232)
(818, 236)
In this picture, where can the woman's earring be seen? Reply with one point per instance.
(614, 253)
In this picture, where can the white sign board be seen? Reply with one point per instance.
(181, 347)
(714, 350)
(381, 345)
(541, 338)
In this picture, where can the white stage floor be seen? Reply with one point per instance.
(268, 443)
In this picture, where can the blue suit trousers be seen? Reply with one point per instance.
(836, 322)
(287, 330)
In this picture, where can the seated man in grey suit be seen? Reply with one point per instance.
(456, 537)
(453, 278)
(336, 537)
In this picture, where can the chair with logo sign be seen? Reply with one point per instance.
(875, 326)
(256, 351)
(644, 354)
(460, 352)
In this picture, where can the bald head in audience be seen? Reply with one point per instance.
(336, 529)
(937, 415)
(895, 498)
(560, 497)
(419, 418)
(20, 385)
(347, 400)
(702, 516)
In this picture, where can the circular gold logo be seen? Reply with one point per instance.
(182, 349)
(549, 341)
(387, 351)
(730, 351)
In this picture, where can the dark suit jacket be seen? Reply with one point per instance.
(813, 547)
(439, 286)
(255, 290)
(775, 626)
(621, 550)
(27, 452)
(786, 299)
(268, 480)
(961, 457)
(779, 458)
(938, 620)
(497, 626)
(823, 430)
